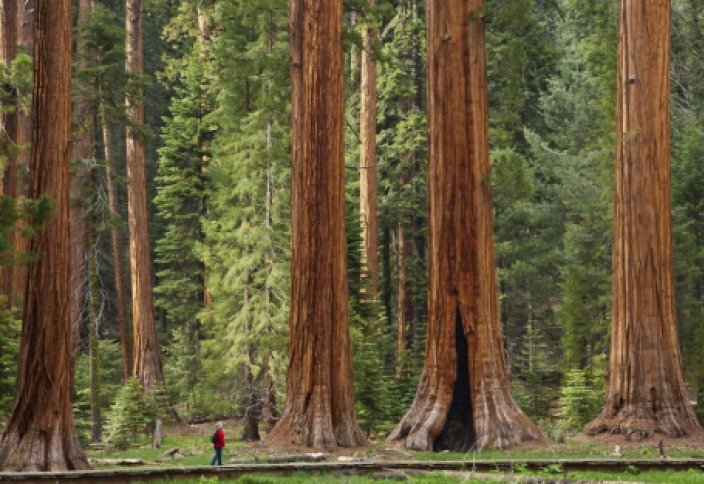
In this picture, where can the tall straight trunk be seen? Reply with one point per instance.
(40, 434)
(463, 399)
(82, 154)
(319, 409)
(147, 359)
(93, 314)
(646, 392)
(115, 245)
(8, 51)
(8, 139)
(404, 301)
(367, 164)
(23, 137)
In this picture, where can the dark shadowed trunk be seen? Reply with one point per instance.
(646, 392)
(463, 399)
(40, 434)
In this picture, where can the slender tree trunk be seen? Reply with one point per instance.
(463, 399)
(319, 409)
(404, 310)
(93, 316)
(367, 165)
(646, 392)
(147, 358)
(82, 158)
(40, 435)
(8, 137)
(115, 245)
(250, 432)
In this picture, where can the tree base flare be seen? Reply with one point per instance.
(39, 451)
(635, 429)
(293, 432)
(513, 429)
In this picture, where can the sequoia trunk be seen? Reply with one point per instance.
(319, 409)
(40, 434)
(646, 392)
(147, 359)
(463, 399)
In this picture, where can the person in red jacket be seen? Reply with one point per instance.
(218, 440)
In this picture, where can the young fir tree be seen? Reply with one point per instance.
(247, 246)
(181, 201)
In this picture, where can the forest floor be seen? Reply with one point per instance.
(195, 449)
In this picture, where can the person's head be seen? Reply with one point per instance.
(219, 425)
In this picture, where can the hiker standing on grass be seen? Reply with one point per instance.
(218, 440)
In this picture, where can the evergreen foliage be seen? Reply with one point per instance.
(131, 415)
(111, 382)
(247, 245)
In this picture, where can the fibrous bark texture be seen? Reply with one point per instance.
(646, 392)
(463, 399)
(40, 435)
(319, 409)
(367, 163)
(147, 359)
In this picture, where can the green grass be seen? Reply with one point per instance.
(670, 477)
(196, 450)
(305, 478)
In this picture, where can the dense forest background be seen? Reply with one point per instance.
(217, 132)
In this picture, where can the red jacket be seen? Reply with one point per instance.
(220, 441)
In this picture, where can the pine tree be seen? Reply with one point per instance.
(181, 200)
(247, 242)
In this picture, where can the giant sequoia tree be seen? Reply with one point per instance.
(146, 355)
(646, 392)
(319, 409)
(464, 398)
(41, 435)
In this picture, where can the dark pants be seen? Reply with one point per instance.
(217, 457)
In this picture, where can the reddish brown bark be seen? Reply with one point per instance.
(463, 399)
(367, 164)
(115, 246)
(82, 154)
(646, 392)
(147, 358)
(41, 435)
(319, 409)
